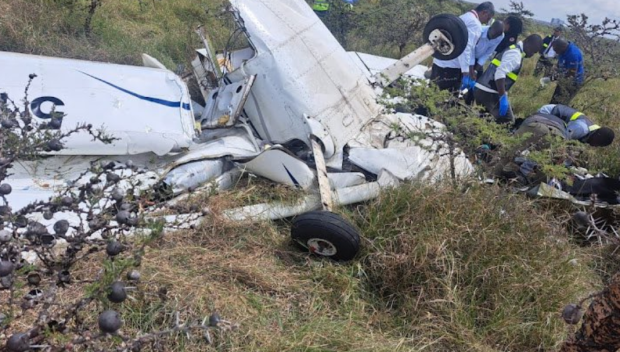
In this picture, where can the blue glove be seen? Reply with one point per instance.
(503, 105)
(467, 83)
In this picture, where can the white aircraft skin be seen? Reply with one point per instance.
(293, 82)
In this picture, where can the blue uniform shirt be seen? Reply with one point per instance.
(572, 59)
(577, 127)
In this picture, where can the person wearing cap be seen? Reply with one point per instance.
(491, 89)
(459, 72)
(544, 64)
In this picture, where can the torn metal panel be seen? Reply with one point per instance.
(318, 131)
(236, 146)
(279, 166)
(147, 109)
(302, 69)
(226, 104)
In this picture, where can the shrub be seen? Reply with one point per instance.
(74, 294)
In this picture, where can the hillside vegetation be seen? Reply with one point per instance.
(443, 267)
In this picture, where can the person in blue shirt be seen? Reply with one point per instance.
(490, 38)
(570, 73)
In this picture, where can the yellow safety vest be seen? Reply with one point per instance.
(578, 114)
(513, 76)
(320, 5)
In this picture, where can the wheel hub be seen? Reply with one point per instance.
(321, 247)
(442, 41)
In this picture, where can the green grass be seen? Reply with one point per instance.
(598, 100)
(122, 30)
(442, 269)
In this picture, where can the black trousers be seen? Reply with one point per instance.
(544, 66)
(446, 78)
(564, 92)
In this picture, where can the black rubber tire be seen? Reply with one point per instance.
(453, 28)
(327, 226)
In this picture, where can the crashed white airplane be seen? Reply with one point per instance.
(293, 107)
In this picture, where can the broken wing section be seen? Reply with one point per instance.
(372, 64)
(146, 109)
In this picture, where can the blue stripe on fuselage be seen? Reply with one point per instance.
(290, 175)
(172, 104)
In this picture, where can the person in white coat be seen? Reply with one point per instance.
(490, 38)
(459, 73)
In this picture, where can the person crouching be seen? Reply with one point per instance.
(492, 87)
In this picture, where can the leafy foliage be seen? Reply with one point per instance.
(600, 44)
(96, 219)
(478, 135)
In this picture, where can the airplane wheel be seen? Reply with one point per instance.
(454, 29)
(326, 234)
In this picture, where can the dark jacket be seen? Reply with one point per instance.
(511, 36)
(546, 44)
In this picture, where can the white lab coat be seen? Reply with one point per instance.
(485, 47)
(474, 30)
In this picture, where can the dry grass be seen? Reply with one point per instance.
(442, 270)
(282, 300)
(473, 270)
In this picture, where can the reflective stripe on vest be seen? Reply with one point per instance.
(320, 5)
(487, 79)
(546, 45)
(576, 115)
(591, 125)
(513, 76)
